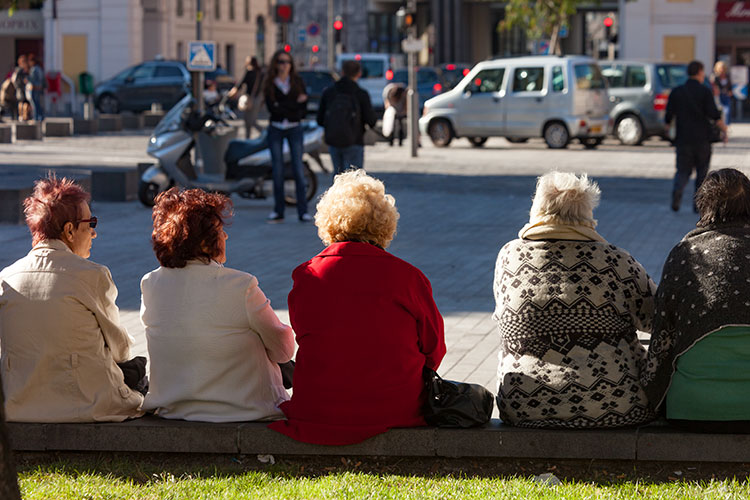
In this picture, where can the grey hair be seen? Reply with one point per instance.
(564, 198)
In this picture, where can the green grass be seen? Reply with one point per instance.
(60, 481)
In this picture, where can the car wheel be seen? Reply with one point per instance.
(591, 142)
(440, 132)
(517, 140)
(147, 192)
(556, 135)
(108, 104)
(629, 130)
(477, 142)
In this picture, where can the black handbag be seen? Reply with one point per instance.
(455, 404)
(716, 133)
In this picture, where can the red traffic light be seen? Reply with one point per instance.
(338, 24)
(284, 13)
(608, 22)
(315, 48)
(287, 48)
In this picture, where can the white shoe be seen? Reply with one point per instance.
(305, 218)
(274, 218)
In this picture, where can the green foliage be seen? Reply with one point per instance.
(541, 19)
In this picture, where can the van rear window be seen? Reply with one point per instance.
(672, 75)
(588, 76)
(372, 68)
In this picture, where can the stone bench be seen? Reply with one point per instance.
(114, 184)
(18, 183)
(110, 123)
(152, 434)
(6, 133)
(85, 126)
(28, 131)
(132, 121)
(152, 118)
(57, 127)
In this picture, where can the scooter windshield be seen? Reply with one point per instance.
(173, 118)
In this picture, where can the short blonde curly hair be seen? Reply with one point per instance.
(356, 208)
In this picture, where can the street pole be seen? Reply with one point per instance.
(330, 35)
(197, 76)
(413, 97)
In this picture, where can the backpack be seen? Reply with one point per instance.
(342, 121)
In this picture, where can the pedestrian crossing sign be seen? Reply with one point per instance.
(201, 56)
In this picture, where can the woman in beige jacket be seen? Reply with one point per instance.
(60, 332)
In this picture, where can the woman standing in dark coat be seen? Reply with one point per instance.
(285, 97)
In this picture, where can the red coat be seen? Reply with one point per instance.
(366, 324)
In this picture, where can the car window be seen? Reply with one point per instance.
(316, 81)
(142, 72)
(528, 80)
(123, 74)
(372, 68)
(635, 77)
(488, 80)
(427, 76)
(558, 80)
(168, 71)
(614, 74)
(588, 76)
(672, 75)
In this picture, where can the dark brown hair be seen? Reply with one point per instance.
(188, 225)
(351, 68)
(297, 86)
(53, 203)
(724, 196)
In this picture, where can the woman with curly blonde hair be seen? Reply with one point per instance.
(366, 323)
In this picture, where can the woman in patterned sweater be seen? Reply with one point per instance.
(568, 305)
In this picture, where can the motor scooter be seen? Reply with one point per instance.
(197, 149)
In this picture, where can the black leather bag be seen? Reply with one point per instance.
(716, 134)
(455, 404)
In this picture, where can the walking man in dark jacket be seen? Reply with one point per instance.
(692, 106)
(344, 110)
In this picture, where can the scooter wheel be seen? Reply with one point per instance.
(311, 183)
(147, 192)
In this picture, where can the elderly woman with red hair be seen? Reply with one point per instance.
(60, 329)
(213, 340)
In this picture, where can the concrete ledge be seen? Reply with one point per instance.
(152, 118)
(132, 121)
(17, 184)
(6, 133)
(83, 126)
(152, 434)
(110, 123)
(114, 184)
(57, 127)
(31, 131)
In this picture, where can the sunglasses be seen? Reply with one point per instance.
(283, 61)
(92, 221)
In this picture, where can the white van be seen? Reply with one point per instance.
(557, 98)
(377, 71)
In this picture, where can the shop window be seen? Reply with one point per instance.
(180, 8)
(217, 9)
(231, 10)
(247, 11)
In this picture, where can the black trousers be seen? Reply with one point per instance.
(712, 426)
(695, 156)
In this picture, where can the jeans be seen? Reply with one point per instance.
(345, 158)
(36, 105)
(694, 156)
(726, 108)
(294, 137)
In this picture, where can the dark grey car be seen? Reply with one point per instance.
(639, 92)
(138, 87)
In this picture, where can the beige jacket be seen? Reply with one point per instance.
(60, 337)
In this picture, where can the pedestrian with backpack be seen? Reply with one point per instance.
(344, 110)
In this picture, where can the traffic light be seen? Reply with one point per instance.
(287, 48)
(338, 26)
(315, 49)
(405, 19)
(284, 13)
(608, 23)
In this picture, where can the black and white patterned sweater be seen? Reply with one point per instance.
(568, 312)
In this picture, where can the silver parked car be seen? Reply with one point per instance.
(639, 92)
(557, 98)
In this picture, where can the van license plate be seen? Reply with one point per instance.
(595, 129)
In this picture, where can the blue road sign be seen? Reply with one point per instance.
(302, 34)
(201, 56)
(564, 31)
(313, 29)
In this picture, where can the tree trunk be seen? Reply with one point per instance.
(8, 479)
(554, 40)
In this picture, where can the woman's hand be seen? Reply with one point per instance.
(302, 98)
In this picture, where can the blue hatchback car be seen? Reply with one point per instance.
(138, 87)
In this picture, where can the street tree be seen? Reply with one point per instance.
(541, 18)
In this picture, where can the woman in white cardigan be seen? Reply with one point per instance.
(213, 340)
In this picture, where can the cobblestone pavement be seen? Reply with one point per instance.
(458, 206)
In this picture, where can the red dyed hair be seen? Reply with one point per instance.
(187, 225)
(53, 203)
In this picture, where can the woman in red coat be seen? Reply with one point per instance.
(365, 321)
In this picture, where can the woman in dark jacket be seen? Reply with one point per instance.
(286, 100)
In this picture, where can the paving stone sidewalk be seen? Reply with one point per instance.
(458, 206)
